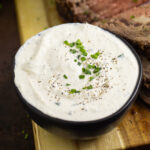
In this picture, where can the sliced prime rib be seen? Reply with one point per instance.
(134, 24)
(145, 90)
(109, 8)
(146, 72)
(145, 95)
(92, 10)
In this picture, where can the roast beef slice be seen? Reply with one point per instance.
(145, 95)
(109, 8)
(133, 24)
(92, 10)
(146, 71)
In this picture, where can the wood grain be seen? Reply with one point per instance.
(31, 16)
(134, 130)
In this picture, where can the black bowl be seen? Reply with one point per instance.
(83, 129)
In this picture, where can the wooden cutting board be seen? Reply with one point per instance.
(134, 130)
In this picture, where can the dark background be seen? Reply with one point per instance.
(15, 124)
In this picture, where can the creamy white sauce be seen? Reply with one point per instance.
(43, 60)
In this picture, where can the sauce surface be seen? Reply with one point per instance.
(76, 72)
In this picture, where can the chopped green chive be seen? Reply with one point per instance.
(73, 51)
(95, 56)
(81, 76)
(69, 44)
(98, 73)
(121, 55)
(83, 58)
(145, 29)
(83, 51)
(104, 21)
(57, 103)
(134, 1)
(91, 78)
(86, 71)
(23, 131)
(72, 91)
(78, 42)
(1, 6)
(66, 43)
(79, 63)
(88, 87)
(132, 17)
(75, 60)
(81, 47)
(72, 44)
(67, 84)
(26, 136)
(65, 76)
(91, 66)
(86, 12)
(97, 69)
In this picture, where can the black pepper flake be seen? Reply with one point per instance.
(69, 113)
(57, 103)
(78, 56)
(79, 63)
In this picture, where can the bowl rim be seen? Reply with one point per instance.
(71, 122)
